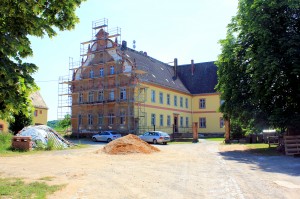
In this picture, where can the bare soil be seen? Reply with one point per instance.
(201, 170)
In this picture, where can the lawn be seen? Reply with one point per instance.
(17, 188)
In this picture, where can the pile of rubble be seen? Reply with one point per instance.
(129, 144)
(43, 134)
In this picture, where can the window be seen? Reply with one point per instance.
(111, 119)
(91, 96)
(168, 99)
(202, 104)
(122, 117)
(187, 122)
(221, 122)
(1, 127)
(175, 100)
(123, 94)
(153, 119)
(79, 120)
(100, 96)
(101, 72)
(181, 102)
(80, 97)
(202, 122)
(35, 113)
(168, 120)
(181, 121)
(100, 119)
(161, 98)
(112, 70)
(91, 74)
(152, 96)
(161, 120)
(112, 95)
(40, 111)
(186, 103)
(90, 119)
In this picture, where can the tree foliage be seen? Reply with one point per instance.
(259, 67)
(65, 123)
(20, 121)
(18, 20)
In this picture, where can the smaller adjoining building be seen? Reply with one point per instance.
(40, 114)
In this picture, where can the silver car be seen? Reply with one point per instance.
(106, 136)
(156, 137)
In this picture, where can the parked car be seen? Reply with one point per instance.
(106, 136)
(156, 137)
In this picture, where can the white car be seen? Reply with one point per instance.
(106, 136)
(156, 137)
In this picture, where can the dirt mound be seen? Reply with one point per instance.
(129, 144)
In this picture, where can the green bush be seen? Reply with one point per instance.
(5, 141)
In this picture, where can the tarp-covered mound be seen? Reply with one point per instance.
(129, 144)
(43, 133)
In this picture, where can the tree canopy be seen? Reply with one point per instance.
(259, 66)
(18, 20)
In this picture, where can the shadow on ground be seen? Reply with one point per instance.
(276, 164)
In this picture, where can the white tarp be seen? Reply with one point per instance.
(43, 133)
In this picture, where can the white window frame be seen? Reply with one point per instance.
(202, 122)
(202, 103)
(90, 119)
(101, 72)
(123, 94)
(112, 70)
(91, 74)
(153, 96)
(153, 119)
(91, 96)
(175, 100)
(112, 94)
(168, 120)
(161, 120)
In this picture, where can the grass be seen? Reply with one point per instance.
(214, 139)
(17, 188)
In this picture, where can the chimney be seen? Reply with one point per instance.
(175, 68)
(193, 67)
(124, 45)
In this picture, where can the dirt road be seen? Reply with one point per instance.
(179, 171)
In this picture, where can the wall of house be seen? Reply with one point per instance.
(210, 111)
(3, 126)
(40, 116)
(166, 109)
(192, 112)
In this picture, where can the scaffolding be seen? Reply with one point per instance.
(97, 93)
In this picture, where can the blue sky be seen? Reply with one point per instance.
(165, 29)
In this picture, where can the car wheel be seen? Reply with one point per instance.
(164, 143)
(154, 141)
(94, 139)
(109, 140)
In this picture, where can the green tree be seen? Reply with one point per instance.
(259, 67)
(19, 121)
(65, 123)
(18, 20)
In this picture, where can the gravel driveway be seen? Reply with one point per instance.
(178, 171)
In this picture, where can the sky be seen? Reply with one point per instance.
(166, 30)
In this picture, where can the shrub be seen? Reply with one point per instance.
(5, 141)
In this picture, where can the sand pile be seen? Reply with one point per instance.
(129, 144)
